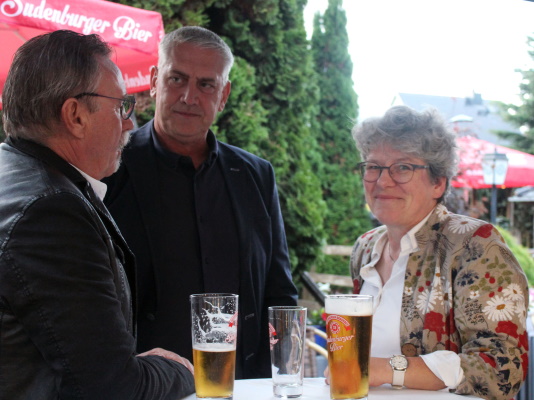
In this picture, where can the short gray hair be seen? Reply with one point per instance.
(198, 36)
(424, 135)
(46, 71)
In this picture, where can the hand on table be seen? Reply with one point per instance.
(170, 356)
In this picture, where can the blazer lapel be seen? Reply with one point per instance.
(235, 175)
(140, 161)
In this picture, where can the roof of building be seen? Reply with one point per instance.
(472, 116)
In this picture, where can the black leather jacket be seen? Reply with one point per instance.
(66, 319)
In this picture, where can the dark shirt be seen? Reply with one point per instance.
(200, 238)
(235, 193)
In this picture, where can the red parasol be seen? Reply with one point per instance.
(133, 33)
(520, 165)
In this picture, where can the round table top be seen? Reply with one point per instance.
(316, 388)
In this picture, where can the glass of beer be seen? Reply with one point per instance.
(348, 329)
(214, 331)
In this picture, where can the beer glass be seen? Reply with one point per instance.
(348, 329)
(214, 332)
(287, 335)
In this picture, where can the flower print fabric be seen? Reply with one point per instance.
(464, 291)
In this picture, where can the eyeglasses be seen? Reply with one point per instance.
(127, 103)
(399, 172)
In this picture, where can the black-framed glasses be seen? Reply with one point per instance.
(127, 103)
(399, 172)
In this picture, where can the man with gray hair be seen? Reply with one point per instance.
(67, 277)
(200, 215)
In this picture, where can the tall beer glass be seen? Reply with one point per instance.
(214, 331)
(348, 329)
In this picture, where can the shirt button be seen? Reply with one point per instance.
(151, 317)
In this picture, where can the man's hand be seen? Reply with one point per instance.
(170, 356)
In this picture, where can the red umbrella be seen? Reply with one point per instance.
(133, 33)
(520, 165)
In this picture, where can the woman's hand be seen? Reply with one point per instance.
(418, 375)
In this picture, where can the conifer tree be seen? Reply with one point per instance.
(522, 115)
(270, 36)
(346, 217)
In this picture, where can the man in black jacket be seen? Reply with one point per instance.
(67, 279)
(199, 215)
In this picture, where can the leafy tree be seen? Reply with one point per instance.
(522, 115)
(346, 216)
(521, 253)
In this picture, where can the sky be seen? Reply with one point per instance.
(434, 47)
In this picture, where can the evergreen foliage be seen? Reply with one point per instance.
(346, 216)
(270, 36)
(522, 115)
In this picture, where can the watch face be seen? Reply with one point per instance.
(399, 362)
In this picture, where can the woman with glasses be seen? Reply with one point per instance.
(450, 297)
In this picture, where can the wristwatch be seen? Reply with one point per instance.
(399, 365)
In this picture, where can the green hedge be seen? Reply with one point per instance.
(521, 253)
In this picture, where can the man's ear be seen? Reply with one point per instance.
(226, 92)
(75, 117)
(153, 80)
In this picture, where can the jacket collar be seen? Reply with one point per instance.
(49, 157)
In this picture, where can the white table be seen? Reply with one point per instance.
(315, 388)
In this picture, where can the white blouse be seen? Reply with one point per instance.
(387, 310)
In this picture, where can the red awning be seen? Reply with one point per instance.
(520, 165)
(133, 33)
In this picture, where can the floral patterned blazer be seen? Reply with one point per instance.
(464, 291)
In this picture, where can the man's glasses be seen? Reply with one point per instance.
(399, 172)
(127, 103)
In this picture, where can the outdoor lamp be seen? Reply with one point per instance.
(494, 168)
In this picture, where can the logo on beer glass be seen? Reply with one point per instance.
(334, 328)
(337, 325)
(273, 337)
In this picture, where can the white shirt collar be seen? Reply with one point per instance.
(408, 241)
(99, 188)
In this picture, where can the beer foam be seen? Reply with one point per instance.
(348, 306)
(214, 347)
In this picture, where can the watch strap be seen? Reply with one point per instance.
(398, 378)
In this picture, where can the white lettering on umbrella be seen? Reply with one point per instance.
(136, 81)
(125, 28)
(11, 4)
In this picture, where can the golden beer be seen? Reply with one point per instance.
(349, 348)
(214, 370)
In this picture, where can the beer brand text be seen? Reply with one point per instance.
(340, 339)
(338, 318)
(124, 27)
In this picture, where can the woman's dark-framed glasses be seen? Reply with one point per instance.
(399, 172)
(127, 103)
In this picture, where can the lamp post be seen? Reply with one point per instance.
(494, 168)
